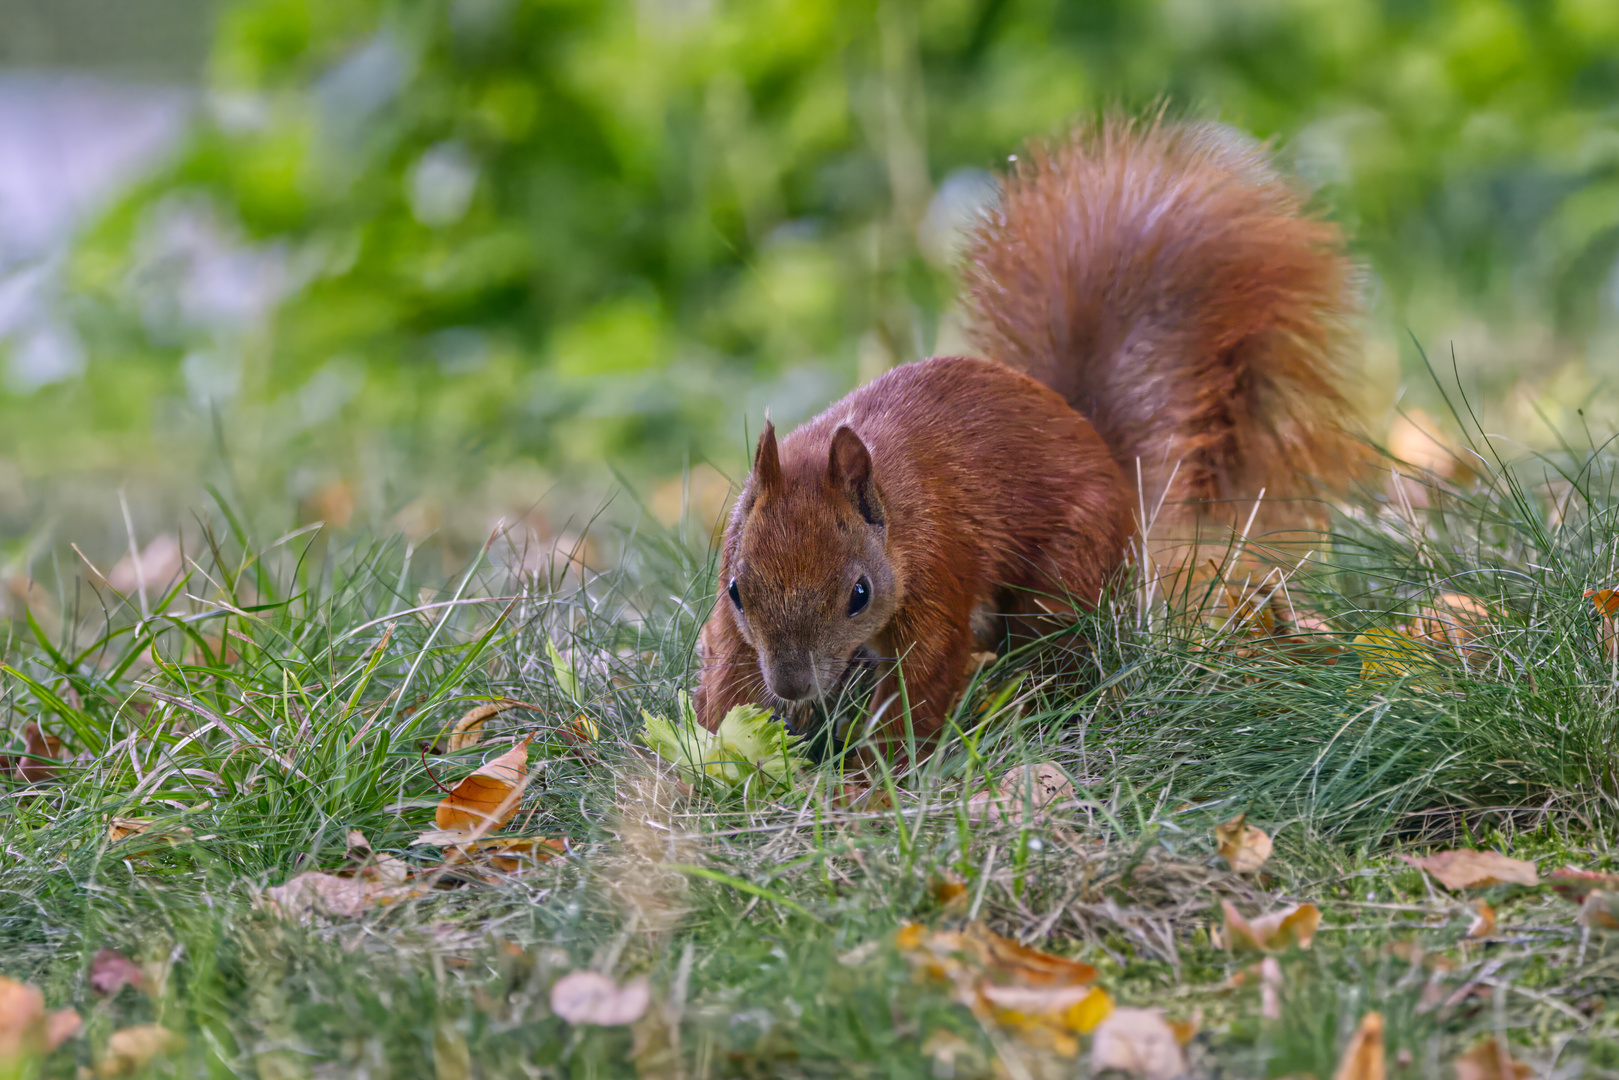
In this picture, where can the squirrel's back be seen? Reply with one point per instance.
(1167, 281)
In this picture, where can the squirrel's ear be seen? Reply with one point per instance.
(849, 466)
(766, 463)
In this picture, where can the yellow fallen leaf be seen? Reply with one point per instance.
(131, 1048)
(1363, 1058)
(478, 799)
(27, 1031)
(589, 997)
(1490, 1059)
(1294, 925)
(1465, 868)
(1387, 655)
(1140, 1043)
(1244, 847)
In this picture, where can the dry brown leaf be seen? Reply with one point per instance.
(1294, 925)
(589, 997)
(860, 797)
(1600, 910)
(1491, 1059)
(122, 828)
(159, 563)
(1575, 885)
(1244, 847)
(507, 854)
(1483, 924)
(477, 800)
(469, 729)
(1031, 966)
(1363, 1058)
(329, 894)
(1025, 795)
(1453, 621)
(376, 868)
(27, 766)
(26, 1029)
(111, 971)
(1138, 1042)
(948, 888)
(129, 1049)
(1607, 603)
(1044, 1000)
(1469, 869)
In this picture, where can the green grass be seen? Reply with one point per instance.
(282, 693)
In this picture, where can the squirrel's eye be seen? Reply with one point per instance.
(736, 597)
(860, 597)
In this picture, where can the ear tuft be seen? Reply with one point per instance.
(766, 461)
(849, 466)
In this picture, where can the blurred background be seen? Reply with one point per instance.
(424, 265)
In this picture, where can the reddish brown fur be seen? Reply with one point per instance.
(993, 490)
(1166, 283)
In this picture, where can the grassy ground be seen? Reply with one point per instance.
(286, 693)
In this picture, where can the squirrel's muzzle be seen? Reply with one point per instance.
(792, 678)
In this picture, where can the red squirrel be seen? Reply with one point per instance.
(1167, 337)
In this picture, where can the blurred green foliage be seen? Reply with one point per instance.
(602, 230)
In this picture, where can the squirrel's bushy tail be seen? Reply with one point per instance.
(1167, 281)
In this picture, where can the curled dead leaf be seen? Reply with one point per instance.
(469, 729)
(1483, 924)
(1294, 925)
(375, 867)
(1045, 1000)
(131, 1048)
(1025, 795)
(1138, 1042)
(1575, 885)
(1491, 1059)
(26, 1029)
(1364, 1058)
(1465, 868)
(344, 897)
(508, 854)
(589, 997)
(1244, 847)
(483, 798)
(111, 971)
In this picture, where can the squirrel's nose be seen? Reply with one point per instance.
(792, 680)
